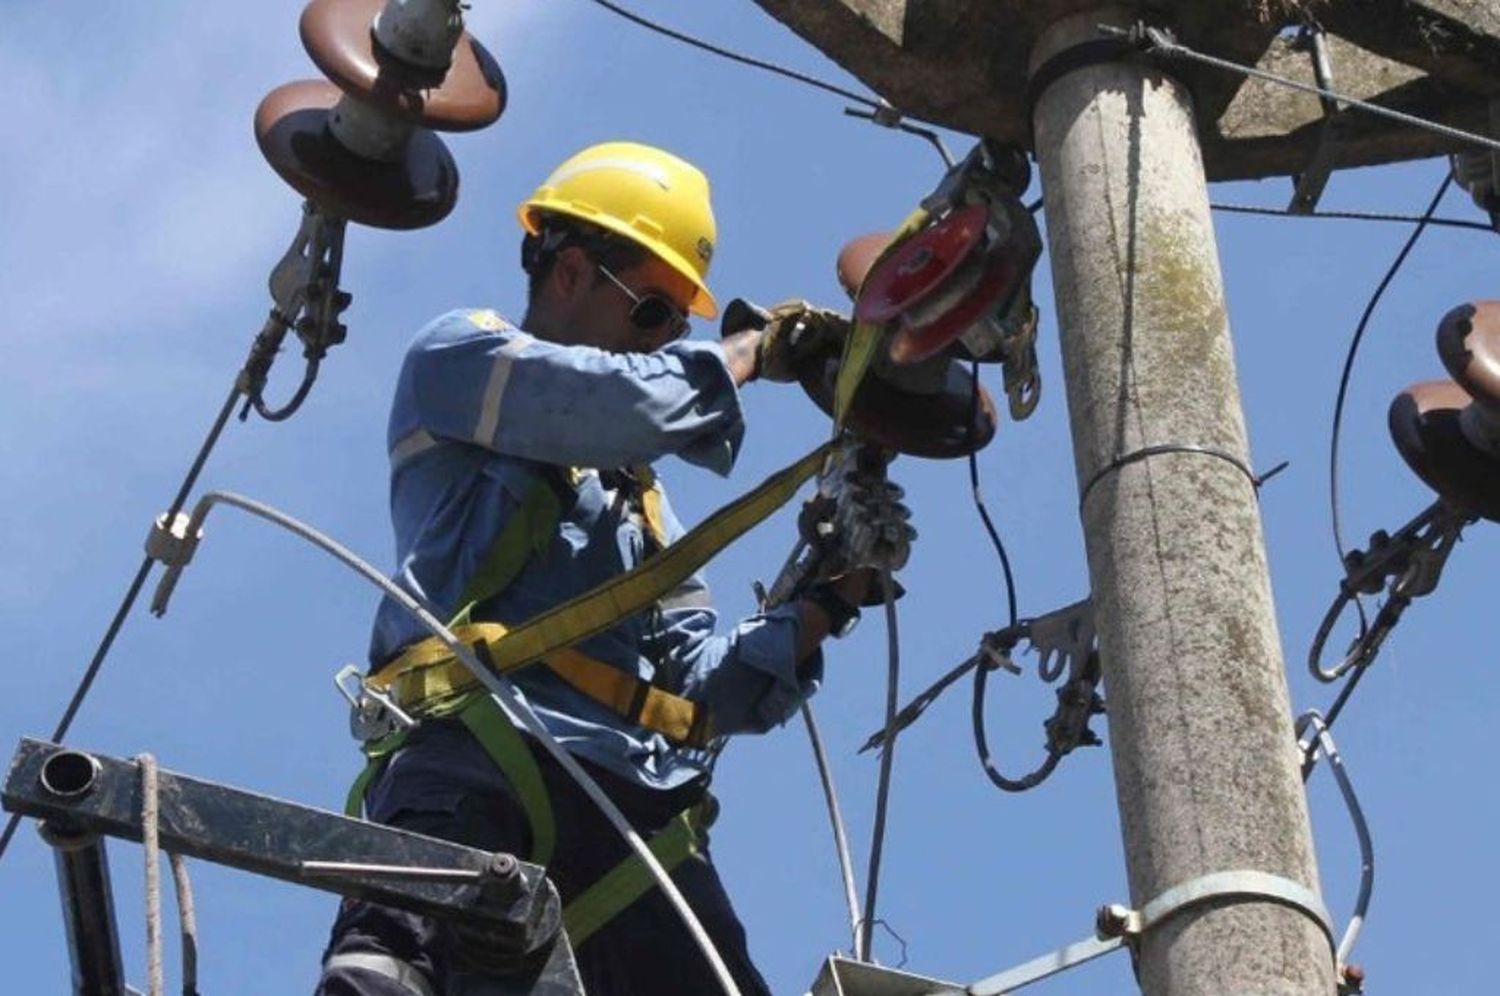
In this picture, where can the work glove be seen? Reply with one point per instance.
(793, 335)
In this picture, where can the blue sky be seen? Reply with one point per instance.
(140, 224)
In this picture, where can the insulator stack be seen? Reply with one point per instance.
(363, 147)
(1448, 431)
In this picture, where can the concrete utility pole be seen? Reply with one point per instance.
(1206, 769)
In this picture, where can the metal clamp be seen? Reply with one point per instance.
(1117, 920)
(174, 544)
(1117, 925)
(1411, 561)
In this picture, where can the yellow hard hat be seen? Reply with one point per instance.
(651, 197)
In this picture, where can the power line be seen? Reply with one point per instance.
(134, 590)
(733, 56)
(1156, 40)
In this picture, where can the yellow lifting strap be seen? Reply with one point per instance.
(621, 597)
(428, 673)
(859, 348)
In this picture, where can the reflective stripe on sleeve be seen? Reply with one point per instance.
(494, 391)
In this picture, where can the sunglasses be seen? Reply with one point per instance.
(649, 312)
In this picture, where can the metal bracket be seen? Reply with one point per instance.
(1117, 920)
(1311, 181)
(1119, 926)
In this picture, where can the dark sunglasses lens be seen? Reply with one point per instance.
(652, 312)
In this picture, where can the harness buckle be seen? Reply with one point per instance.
(373, 714)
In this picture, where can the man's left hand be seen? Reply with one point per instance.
(795, 335)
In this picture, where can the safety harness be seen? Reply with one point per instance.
(426, 681)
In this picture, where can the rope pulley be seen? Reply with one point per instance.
(1448, 431)
(960, 283)
(953, 284)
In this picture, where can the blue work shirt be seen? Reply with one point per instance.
(482, 410)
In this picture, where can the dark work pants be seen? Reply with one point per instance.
(443, 784)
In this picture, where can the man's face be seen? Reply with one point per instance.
(600, 307)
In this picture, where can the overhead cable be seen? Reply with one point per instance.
(1354, 343)
(836, 818)
(1408, 219)
(134, 590)
(733, 56)
(887, 760)
(1159, 41)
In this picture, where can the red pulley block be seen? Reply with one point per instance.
(469, 95)
(926, 409)
(938, 282)
(1448, 431)
(416, 190)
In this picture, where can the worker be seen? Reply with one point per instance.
(537, 438)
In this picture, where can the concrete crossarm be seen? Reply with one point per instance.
(963, 64)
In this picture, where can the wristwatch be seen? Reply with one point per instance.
(842, 617)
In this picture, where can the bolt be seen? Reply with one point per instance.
(1113, 920)
(502, 867)
(1351, 979)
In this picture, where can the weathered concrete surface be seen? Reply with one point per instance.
(964, 65)
(1206, 769)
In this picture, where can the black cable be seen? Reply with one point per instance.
(1477, 226)
(772, 67)
(887, 760)
(981, 743)
(984, 513)
(1344, 377)
(286, 411)
(87, 682)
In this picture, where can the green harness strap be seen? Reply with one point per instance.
(629, 880)
(529, 530)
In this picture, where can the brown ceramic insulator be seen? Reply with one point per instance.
(943, 424)
(415, 191)
(856, 258)
(338, 35)
(1424, 422)
(1468, 340)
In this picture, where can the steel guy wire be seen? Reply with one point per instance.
(502, 692)
(1156, 40)
(1346, 374)
(887, 760)
(113, 630)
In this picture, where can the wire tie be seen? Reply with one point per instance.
(1134, 456)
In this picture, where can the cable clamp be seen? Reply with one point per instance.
(1245, 885)
(171, 544)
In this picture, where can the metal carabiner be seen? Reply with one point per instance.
(372, 713)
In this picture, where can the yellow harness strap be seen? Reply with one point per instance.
(859, 348)
(427, 673)
(623, 596)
